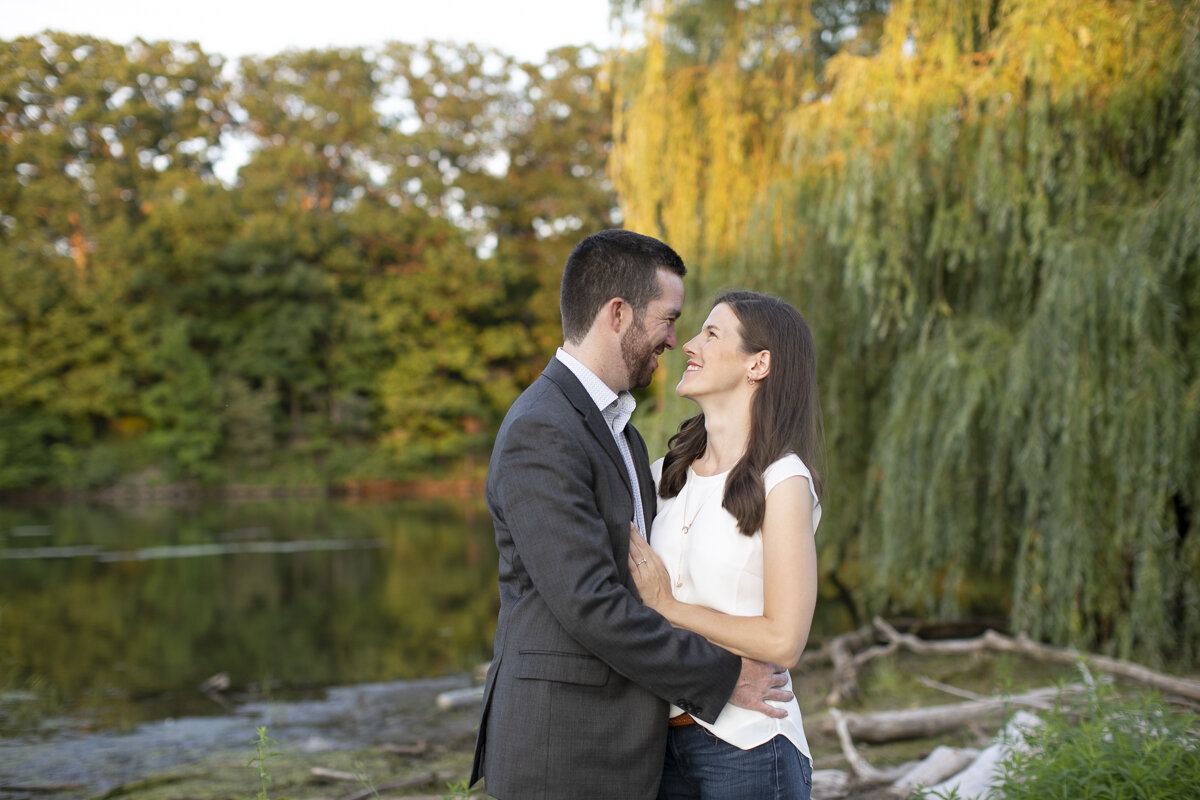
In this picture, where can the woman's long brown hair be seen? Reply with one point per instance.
(785, 414)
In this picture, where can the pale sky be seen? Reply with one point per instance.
(233, 28)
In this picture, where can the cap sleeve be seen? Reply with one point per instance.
(789, 467)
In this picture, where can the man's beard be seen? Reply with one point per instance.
(637, 352)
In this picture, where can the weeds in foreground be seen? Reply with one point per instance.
(262, 751)
(1118, 748)
(365, 781)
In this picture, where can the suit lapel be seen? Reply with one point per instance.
(562, 377)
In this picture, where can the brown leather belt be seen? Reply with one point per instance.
(682, 719)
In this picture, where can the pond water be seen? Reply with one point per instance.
(112, 617)
(335, 623)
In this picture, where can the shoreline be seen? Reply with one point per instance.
(459, 488)
(395, 726)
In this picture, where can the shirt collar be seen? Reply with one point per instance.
(617, 408)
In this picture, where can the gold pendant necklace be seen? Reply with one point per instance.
(689, 523)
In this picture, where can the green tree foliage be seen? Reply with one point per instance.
(363, 287)
(92, 137)
(988, 212)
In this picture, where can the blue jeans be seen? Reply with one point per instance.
(699, 766)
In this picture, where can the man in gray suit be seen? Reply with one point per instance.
(576, 699)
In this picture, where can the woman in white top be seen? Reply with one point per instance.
(731, 554)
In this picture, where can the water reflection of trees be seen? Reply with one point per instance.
(417, 598)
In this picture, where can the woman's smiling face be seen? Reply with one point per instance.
(717, 361)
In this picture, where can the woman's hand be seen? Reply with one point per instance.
(648, 571)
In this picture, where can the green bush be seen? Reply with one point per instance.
(1115, 748)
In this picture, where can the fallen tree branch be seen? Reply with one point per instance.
(829, 784)
(460, 698)
(845, 669)
(1039, 704)
(919, 723)
(948, 689)
(977, 780)
(865, 773)
(873, 653)
(1113, 666)
(855, 639)
(334, 775)
(1023, 645)
(936, 767)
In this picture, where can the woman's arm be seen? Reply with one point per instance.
(789, 584)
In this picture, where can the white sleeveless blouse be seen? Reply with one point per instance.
(718, 567)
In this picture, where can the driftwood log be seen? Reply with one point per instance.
(921, 723)
(839, 651)
(847, 662)
(865, 773)
(459, 698)
(939, 765)
(965, 772)
(976, 780)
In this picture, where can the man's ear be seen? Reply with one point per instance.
(616, 314)
(760, 365)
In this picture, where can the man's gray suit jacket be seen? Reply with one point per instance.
(575, 703)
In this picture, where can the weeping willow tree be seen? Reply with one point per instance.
(990, 214)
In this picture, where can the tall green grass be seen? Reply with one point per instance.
(1135, 747)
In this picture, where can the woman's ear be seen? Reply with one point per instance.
(760, 366)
